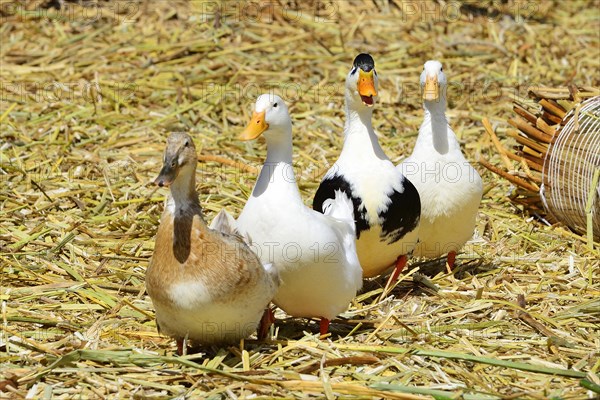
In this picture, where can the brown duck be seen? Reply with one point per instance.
(206, 285)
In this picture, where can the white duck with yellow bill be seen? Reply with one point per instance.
(450, 188)
(314, 253)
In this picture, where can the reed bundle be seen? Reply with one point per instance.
(557, 155)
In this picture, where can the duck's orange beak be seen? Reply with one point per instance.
(431, 92)
(256, 126)
(366, 86)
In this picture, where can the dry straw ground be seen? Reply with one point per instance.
(88, 98)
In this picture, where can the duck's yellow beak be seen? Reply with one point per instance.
(256, 126)
(366, 83)
(431, 92)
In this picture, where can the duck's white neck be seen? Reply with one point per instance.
(359, 133)
(279, 145)
(435, 115)
(183, 195)
(277, 173)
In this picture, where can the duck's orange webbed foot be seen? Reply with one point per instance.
(324, 326)
(400, 264)
(450, 261)
(266, 321)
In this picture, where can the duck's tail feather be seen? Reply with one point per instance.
(341, 212)
(225, 223)
(341, 209)
(273, 274)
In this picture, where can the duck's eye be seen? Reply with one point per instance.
(442, 68)
(187, 143)
(353, 71)
(173, 164)
(275, 105)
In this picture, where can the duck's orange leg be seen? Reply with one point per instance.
(450, 260)
(266, 321)
(400, 264)
(323, 326)
(179, 346)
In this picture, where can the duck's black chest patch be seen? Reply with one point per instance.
(327, 191)
(403, 214)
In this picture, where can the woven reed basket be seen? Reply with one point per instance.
(557, 174)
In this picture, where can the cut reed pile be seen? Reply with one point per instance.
(89, 95)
